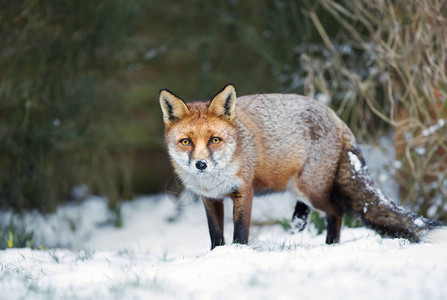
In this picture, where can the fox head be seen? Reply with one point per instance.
(200, 136)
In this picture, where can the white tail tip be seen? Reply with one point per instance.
(436, 236)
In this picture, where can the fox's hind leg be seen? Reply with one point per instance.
(334, 220)
(333, 228)
(300, 216)
(317, 188)
(322, 198)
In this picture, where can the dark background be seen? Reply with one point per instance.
(79, 84)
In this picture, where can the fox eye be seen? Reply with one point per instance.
(185, 142)
(215, 140)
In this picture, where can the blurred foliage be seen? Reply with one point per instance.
(318, 221)
(13, 235)
(79, 80)
(58, 103)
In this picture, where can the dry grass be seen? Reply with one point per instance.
(404, 83)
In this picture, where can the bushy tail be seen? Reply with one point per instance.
(358, 196)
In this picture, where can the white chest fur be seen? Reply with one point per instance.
(215, 184)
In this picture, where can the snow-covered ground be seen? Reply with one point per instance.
(163, 252)
(153, 256)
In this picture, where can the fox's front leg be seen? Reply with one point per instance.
(215, 215)
(242, 200)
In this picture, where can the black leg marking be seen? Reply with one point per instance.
(215, 216)
(333, 229)
(241, 230)
(300, 216)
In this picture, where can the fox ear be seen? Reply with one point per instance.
(172, 106)
(224, 103)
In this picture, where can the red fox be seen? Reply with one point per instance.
(237, 148)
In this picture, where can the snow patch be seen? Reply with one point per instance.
(355, 162)
(323, 98)
(420, 150)
(437, 236)
(397, 164)
(365, 208)
(382, 198)
(419, 222)
(432, 129)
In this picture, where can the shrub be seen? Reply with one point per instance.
(57, 63)
(402, 81)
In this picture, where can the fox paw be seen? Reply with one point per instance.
(298, 224)
(300, 216)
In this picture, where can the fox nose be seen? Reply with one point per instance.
(201, 165)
